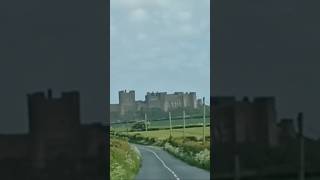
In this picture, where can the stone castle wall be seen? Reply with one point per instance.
(56, 139)
(247, 121)
(54, 122)
(160, 100)
(126, 101)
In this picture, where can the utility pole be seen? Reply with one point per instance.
(204, 121)
(145, 122)
(301, 139)
(184, 123)
(127, 127)
(170, 124)
(236, 167)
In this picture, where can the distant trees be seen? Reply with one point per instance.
(156, 113)
(138, 126)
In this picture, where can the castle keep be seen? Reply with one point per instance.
(159, 100)
(248, 121)
(56, 143)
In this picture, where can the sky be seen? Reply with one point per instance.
(270, 48)
(52, 44)
(159, 45)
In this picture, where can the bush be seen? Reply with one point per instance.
(200, 159)
(139, 126)
(203, 158)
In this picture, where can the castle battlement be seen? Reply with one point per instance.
(159, 100)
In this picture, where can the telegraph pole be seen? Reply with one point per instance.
(301, 139)
(127, 127)
(145, 122)
(184, 123)
(236, 167)
(204, 121)
(170, 124)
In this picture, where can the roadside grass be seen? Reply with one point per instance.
(124, 159)
(195, 132)
(189, 149)
(193, 152)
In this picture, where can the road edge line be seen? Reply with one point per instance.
(163, 163)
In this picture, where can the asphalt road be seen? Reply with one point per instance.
(157, 164)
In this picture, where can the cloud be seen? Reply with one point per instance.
(162, 42)
(185, 16)
(142, 36)
(139, 15)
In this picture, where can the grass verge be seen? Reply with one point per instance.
(124, 159)
(190, 149)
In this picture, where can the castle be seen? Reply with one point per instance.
(159, 100)
(57, 144)
(251, 122)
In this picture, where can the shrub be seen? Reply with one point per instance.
(203, 158)
(200, 159)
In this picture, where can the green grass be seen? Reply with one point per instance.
(124, 160)
(163, 123)
(176, 133)
(193, 152)
(175, 122)
(190, 149)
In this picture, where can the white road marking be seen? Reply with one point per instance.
(163, 163)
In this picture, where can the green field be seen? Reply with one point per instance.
(163, 123)
(164, 134)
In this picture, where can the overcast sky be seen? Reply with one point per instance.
(160, 45)
(270, 48)
(52, 44)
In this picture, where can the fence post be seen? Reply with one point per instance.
(184, 124)
(170, 124)
(204, 121)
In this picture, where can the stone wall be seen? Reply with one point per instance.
(14, 146)
(57, 145)
(159, 100)
(245, 121)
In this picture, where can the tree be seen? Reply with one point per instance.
(138, 126)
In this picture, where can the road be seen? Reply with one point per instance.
(157, 164)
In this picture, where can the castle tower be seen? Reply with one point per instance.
(190, 100)
(266, 117)
(126, 101)
(193, 99)
(54, 122)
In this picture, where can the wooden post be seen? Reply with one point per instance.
(236, 153)
(236, 167)
(170, 124)
(184, 124)
(301, 138)
(204, 121)
(127, 127)
(145, 122)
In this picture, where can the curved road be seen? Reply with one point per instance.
(157, 164)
